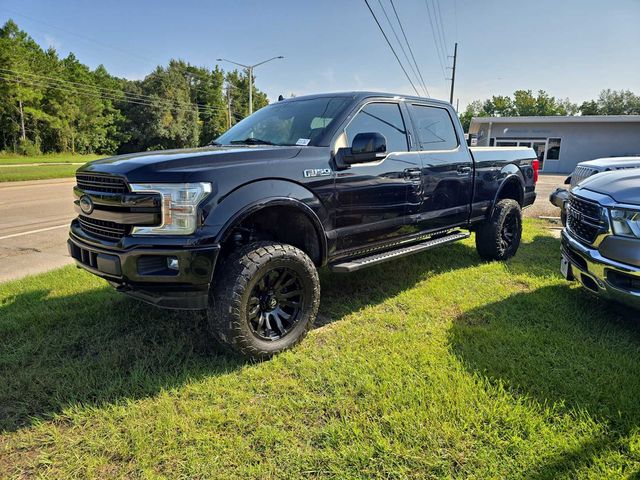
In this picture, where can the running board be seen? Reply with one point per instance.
(358, 263)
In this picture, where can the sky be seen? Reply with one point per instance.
(570, 48)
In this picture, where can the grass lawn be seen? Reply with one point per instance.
(436, 365)
(11, 159)
(9, 173)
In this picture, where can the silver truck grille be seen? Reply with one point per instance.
(580, 173)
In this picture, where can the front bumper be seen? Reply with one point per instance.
(143, 273)
(602, 276)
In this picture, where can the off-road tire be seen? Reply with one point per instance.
(498, 237)
(238, 275)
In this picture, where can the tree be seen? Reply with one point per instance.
(618, 102)
(238, 83)
(168, 118)
(523, 103)
(51, 104)
(474, 109)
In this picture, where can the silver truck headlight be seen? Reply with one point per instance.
(625, 222)
(179, 207)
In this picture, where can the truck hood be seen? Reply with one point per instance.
(621, 185)
(184, 162)
(612, 163)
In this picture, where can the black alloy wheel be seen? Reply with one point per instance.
(275, 303)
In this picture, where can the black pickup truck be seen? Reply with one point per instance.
(239, 227)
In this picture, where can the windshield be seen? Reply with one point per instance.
(299, 122)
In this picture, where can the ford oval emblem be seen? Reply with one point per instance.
(86, 204)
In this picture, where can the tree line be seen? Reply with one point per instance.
(52, 104)
(526, 103)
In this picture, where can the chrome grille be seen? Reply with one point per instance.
(580, 173)
(103, 229)
(100, 183)
(584, 219)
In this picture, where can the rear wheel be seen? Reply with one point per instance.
(498, 238)
(265, 299)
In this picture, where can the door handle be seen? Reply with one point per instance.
(412, 173)
(463, 170)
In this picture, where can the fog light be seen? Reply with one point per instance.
(172, 263)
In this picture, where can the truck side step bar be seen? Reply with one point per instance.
(359, 263)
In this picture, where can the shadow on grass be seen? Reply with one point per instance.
(561, 347)
(98, 347)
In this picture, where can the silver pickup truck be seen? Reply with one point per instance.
(585, 170)
(601, 240)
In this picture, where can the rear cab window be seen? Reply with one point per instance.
(434, 128)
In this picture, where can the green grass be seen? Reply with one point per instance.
(437, 365)
(9, 173)
(13, 159)
(38, 172)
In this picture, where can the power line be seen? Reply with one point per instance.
(436, 40)
(424, 85)
(391, 47)
(444, 37)
(398, 40)
(98, 43)
(92, 93)
(127, 95)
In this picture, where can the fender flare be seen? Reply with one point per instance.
(249, 198)
(509, 179)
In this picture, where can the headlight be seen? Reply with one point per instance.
(179, 207)
(625, 222)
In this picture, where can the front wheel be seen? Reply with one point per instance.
(265, 299)
(498, 238)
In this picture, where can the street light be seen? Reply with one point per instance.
(250, 73)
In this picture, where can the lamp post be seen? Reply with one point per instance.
(250, 73)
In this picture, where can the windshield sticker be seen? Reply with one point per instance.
(303, 141)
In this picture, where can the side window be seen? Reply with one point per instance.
(434, 127)
(384, 118)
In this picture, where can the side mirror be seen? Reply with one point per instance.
(366, 147)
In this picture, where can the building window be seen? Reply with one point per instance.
(492, 141)
(506, 143)
(553, 149)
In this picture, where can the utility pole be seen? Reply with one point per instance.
(250, 74)
(228, 107)
(453, 74)
(249, 69)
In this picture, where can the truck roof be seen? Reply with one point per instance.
(361, 95)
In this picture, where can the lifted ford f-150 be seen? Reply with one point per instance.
(239, 227)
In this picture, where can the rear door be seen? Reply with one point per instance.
(447, 168)
(372, 197)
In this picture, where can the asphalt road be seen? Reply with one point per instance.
(34, 221)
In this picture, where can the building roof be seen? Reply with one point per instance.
(561, 119)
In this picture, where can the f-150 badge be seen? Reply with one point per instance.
(317, 172)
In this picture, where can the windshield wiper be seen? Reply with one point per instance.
(251, 141)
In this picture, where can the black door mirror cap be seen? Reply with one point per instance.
(366, 147)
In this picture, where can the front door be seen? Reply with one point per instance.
(372, 197)
(540, 148)
(447, 169)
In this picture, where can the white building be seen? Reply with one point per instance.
(561, 142)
